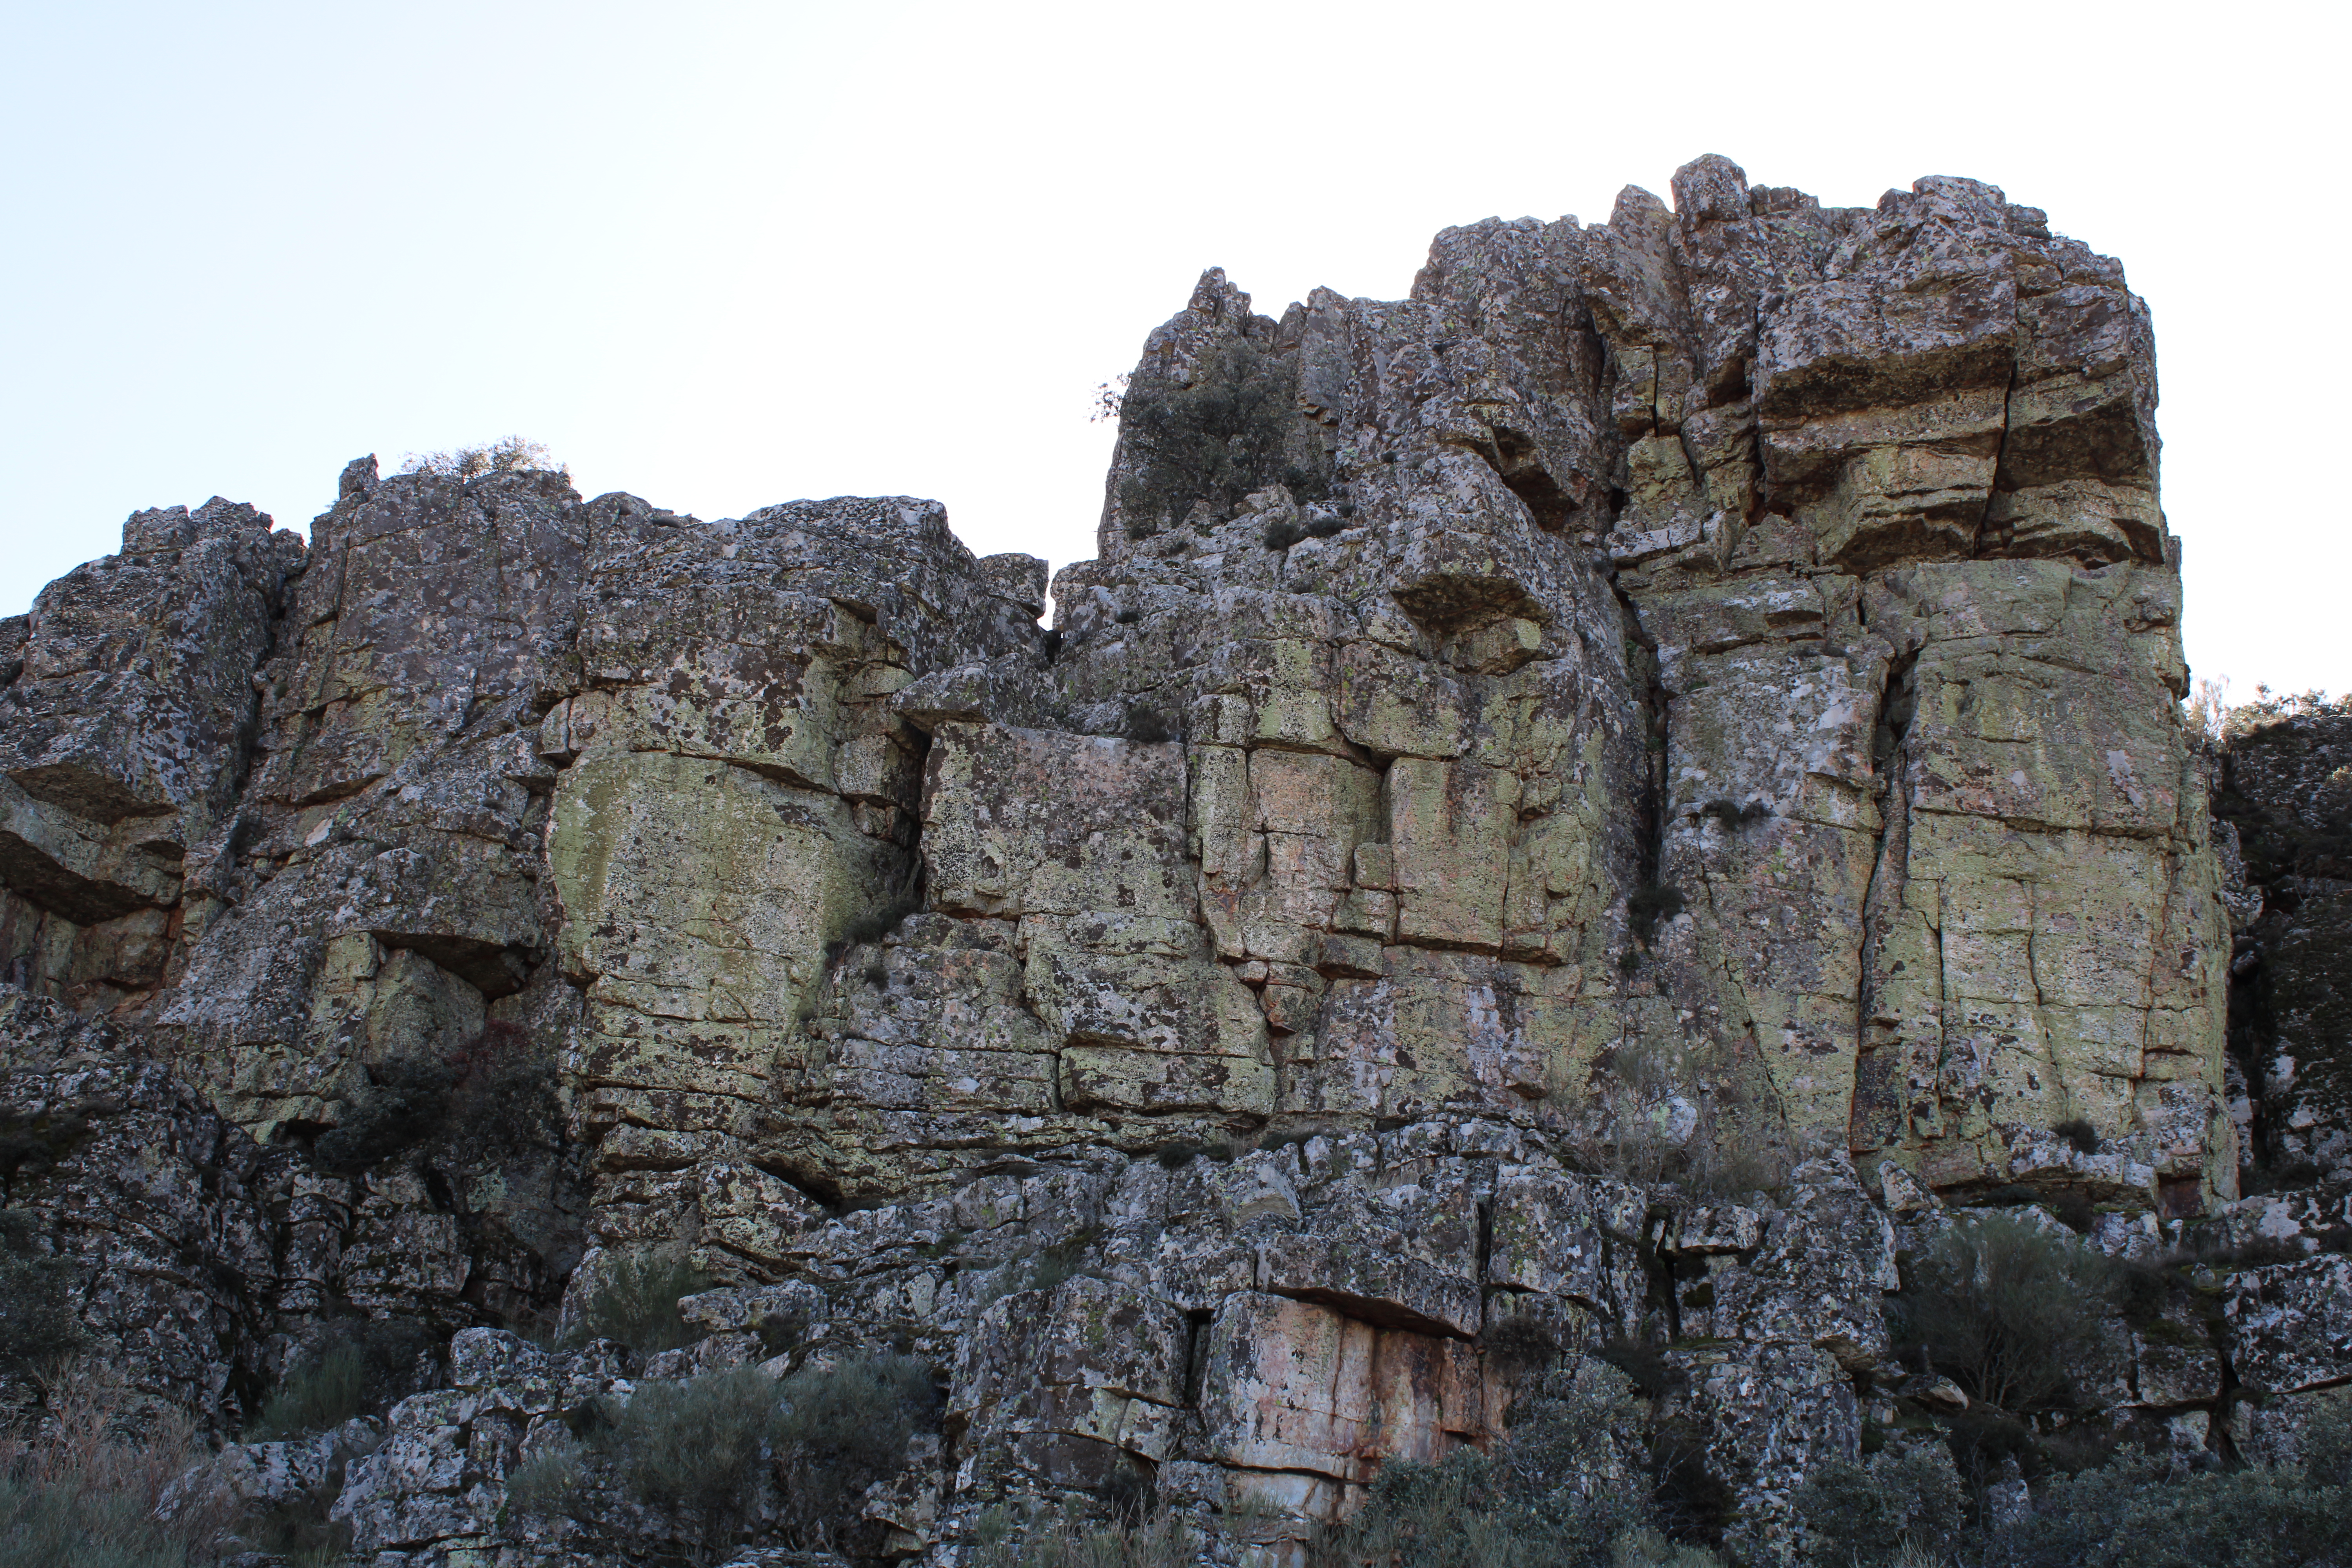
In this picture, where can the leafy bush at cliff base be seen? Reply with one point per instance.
(548, 1479)
(694, 1448)
(633, 1300)
(700, 1449)
(2327, 1444)
(1454, 1514)
(1572, 1487)
(300, 1532)
(84, 1492)
(2006, 1311)
(1904, 1506)
(493, 1095)
(1156, 1540)
(840, 1429)
(404, 1102)
(52, 1527)
(2130, 1516)
(1730, 1146)
(352, 1366)
(1868, 1513)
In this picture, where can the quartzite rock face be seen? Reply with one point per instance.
(126, 716)
(1695, 692)
(142, 1229)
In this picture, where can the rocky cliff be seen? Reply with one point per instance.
(1605, 793)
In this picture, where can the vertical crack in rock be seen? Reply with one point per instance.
(1997, 482)
(1654, 708)
(1883, 1104)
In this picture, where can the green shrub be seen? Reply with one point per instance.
(1452, 1514)
(546, 1483)
(404, 1102)
(2327, 1442)
(493, 1094)
(1905, 1509)
(2131, 1515)
(324, 1390)
(58, 1527)
(1575, 1483)
(1283, 533)
(1734, 1146)
(1054, 1266)
(1464, 1512)
(1156, 1538)
(2004, 1309)
(1646, 1548)
(1735, 1153)
(300, 1530)
(1231, 431)
(85, 1493)
(841, 1428)
(1066, 1259)
(1865, 1515)
(633, 1298)
(697, 1448)
(354, 1366)
(509, 455)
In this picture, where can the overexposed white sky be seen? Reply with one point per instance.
(724, 255)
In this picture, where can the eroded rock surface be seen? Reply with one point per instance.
(1567, 799)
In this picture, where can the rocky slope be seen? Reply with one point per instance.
(1607, 794)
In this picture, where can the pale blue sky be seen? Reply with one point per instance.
(725, 255)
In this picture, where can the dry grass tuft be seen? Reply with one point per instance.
(84, 1489)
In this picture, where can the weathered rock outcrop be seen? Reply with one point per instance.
(125, 723)
(2285, 799)
(1565, 799)
(142, 1229)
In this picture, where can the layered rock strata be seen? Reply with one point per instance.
(1558, 796)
